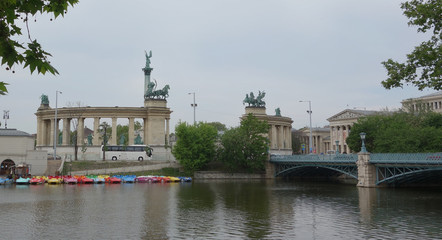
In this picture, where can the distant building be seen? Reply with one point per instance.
(432, 102)
(18, 155)
(341, 124)
(320, 140)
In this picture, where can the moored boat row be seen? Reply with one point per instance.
(93, 179)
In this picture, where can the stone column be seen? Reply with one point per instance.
(66, 128)
(80, 131)
(289, 137)
(114, 132)
(51, 136)
(274, 141)
(366, 171)
(40, 132)
(47, 132)
(131, 132)
(167, 131)
(146, 131)
(280, 137)
(96, 139)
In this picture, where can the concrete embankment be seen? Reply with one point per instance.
(224, 175)
(127, 169)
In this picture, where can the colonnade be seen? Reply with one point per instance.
(280, 136)
(320, 144)
(155, 121)
(340, 133)
(280, 133)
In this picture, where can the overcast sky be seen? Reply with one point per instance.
(328, 52)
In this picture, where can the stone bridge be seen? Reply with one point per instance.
(370, 170)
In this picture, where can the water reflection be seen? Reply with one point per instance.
(219, 210)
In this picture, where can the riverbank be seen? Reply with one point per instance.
(120, 167)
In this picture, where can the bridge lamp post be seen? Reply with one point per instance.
(55, 124)
(310, 144)
(194, 108)
(363, 149)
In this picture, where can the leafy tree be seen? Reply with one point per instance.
(219, 126)
(123, 130)
(105, 131)
(75, 112)
(296, 141)
(245, 148)
(12, 51)
(426, 59)
(195, 145)
(399, 133)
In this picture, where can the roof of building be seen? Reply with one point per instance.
(432, 95)
(13, 132)
(352, 113)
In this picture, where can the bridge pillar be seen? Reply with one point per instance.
(366, 171)
(270, 169)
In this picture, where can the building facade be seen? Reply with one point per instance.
(280, 130)
(17, 151)
(320, 140)
(432, 102)
(340, 127)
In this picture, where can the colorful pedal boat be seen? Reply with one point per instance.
(4, 181)
(163, 179)
(185, 179)
(70, 180)
(128, 178)
(147, 179)
(55, 180)
(37, 180)
(114, 180)
(174, 179)
(22, 181)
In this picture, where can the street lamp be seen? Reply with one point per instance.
(194, 108)
(55, 124)
(310, 144)
(337, 147)
(363, 149)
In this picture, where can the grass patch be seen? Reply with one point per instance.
(89, 165)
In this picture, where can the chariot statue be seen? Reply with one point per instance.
(153, 93)
(255, 102)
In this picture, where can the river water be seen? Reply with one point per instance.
(259, 209)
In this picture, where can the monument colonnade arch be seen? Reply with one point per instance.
(155, 117)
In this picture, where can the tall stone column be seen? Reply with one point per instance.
(96, 139)
(146, 131)
(290, 137)
(281, 137)
(51, 136)
(40, 131)
(167, 131)
(131, 131)
(114, 131)
(274, 141)
(366, 171)
(80, 131)
(65, 132)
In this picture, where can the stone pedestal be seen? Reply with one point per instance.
(256, 110)
(160, 103)
(366, 171)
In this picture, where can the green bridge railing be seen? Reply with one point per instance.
(406, 158)
(315, 158)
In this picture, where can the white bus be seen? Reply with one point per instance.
(131, 152)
